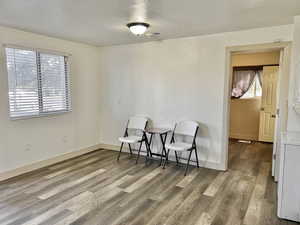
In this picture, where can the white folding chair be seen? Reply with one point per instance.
(188, 129)
(137, 125)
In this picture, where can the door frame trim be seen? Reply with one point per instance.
(285, 49)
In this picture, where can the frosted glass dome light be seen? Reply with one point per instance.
(138, 28)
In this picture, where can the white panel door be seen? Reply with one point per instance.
(268, 104)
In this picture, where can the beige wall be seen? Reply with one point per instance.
(255, 59)
(244, 113)
(244, 118)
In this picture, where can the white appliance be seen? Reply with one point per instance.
(289, 177)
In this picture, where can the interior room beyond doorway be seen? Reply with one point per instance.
(253, 95)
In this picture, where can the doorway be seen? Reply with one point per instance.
(259, 112)
(253, 96)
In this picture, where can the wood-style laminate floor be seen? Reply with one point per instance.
(95, 189)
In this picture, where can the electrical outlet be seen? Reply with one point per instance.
(65, 139)
(28, 147)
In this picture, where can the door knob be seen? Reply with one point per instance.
(262, 109)
(273, 116)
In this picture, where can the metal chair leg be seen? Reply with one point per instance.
(148, 145)
(188, 162)
(130, 149)
(197, 157)
(147, 152)
(148, 148)
(176, 158)
(138, 156)
(120, 151)
(164, 166)
(161, 157)
(149, 155)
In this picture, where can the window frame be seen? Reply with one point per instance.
(39, 51)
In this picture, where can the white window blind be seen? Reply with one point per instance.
(38, 83)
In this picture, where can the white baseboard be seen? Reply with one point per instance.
(40, 164)
(203, 163)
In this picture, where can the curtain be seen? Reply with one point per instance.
(259, 75)
(242, 81)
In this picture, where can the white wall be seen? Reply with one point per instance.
(80, 127)
(294, 94)
(174, 80)
(167, 80)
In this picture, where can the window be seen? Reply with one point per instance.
(255, 89)
(38, 83)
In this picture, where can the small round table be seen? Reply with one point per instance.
(163, 133)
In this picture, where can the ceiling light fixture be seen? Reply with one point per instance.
(138, 28)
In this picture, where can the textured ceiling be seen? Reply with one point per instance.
(103, 22)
